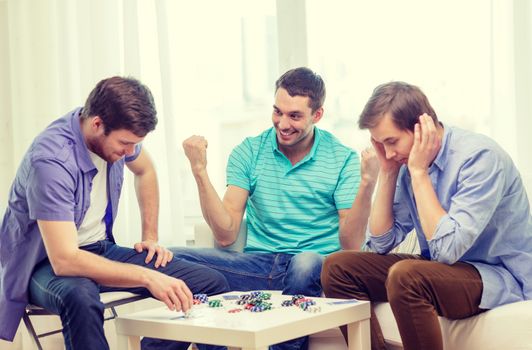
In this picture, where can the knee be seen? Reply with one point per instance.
(403, 277)
(335, 270)
(306, 264)
(303, 274)
(329, 271)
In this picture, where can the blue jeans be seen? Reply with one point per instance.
(292, 274)
(77, 300)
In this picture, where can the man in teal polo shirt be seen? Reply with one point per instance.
(302, 192)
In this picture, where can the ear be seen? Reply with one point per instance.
(316, 117)
(96, 124)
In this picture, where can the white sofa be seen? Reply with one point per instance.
(508, 327)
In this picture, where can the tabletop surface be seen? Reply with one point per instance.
(232, 316)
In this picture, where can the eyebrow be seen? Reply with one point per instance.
(290, 112)
(386, 139)
(128, 142)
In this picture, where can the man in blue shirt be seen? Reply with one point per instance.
(57, 248)
(465, 199)
(301, 191)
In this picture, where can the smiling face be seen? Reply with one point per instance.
(397, 142)
(294, 121)
(112, 147)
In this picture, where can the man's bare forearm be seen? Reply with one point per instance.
(147, 190)
(214, 212)
(381, 217)
(353, 226)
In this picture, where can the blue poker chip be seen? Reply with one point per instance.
(203, 298)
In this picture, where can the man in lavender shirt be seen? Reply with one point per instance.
(464, 197)
(56, 240)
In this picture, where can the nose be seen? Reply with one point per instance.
(130, 150)
(283, 122)
(390, 154)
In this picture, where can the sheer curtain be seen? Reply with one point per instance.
(58, 51)
(210, 65)
(472, 59)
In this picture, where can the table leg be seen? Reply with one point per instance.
(123, 342)
(134, 342)
(358, 335)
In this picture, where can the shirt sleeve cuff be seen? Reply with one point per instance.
(379, 243)
(241, 184)
(444, 227)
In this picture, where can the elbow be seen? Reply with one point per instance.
(224, 237)
(226, 240)
(350, 244)
(63, 266)
(352, 240)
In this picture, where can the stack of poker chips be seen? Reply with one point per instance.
(215, 303)
(296, 299)
(255, 301)
(199, 299)
(303, 303)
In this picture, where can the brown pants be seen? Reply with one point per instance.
(418, 290)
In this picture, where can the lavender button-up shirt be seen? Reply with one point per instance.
(53, 183)
(488, 222)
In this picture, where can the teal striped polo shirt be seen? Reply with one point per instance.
(294, 208)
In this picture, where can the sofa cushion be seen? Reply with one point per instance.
(506, 327)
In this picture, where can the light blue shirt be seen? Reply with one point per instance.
(294, 208)
(488, 222)
(53, 183)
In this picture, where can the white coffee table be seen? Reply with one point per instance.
(245, 329)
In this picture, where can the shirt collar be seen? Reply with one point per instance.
(441, 157)
(85, 162)
(312, 152)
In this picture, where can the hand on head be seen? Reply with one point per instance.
(386, 165)
(427, 144)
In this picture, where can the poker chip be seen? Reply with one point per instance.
(298, 296)
(199, 299)
(313, 309)
(215, 303)
(261, 307)
(287, 303)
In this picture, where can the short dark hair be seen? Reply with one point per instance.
(303, 82)
(122, 103)
(403, 101)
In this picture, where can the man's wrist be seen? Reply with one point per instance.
(150, 237)
(386, 175)
(416, 174)
(200, 174)
(368, 183)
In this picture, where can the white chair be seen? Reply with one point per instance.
(110, 300)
